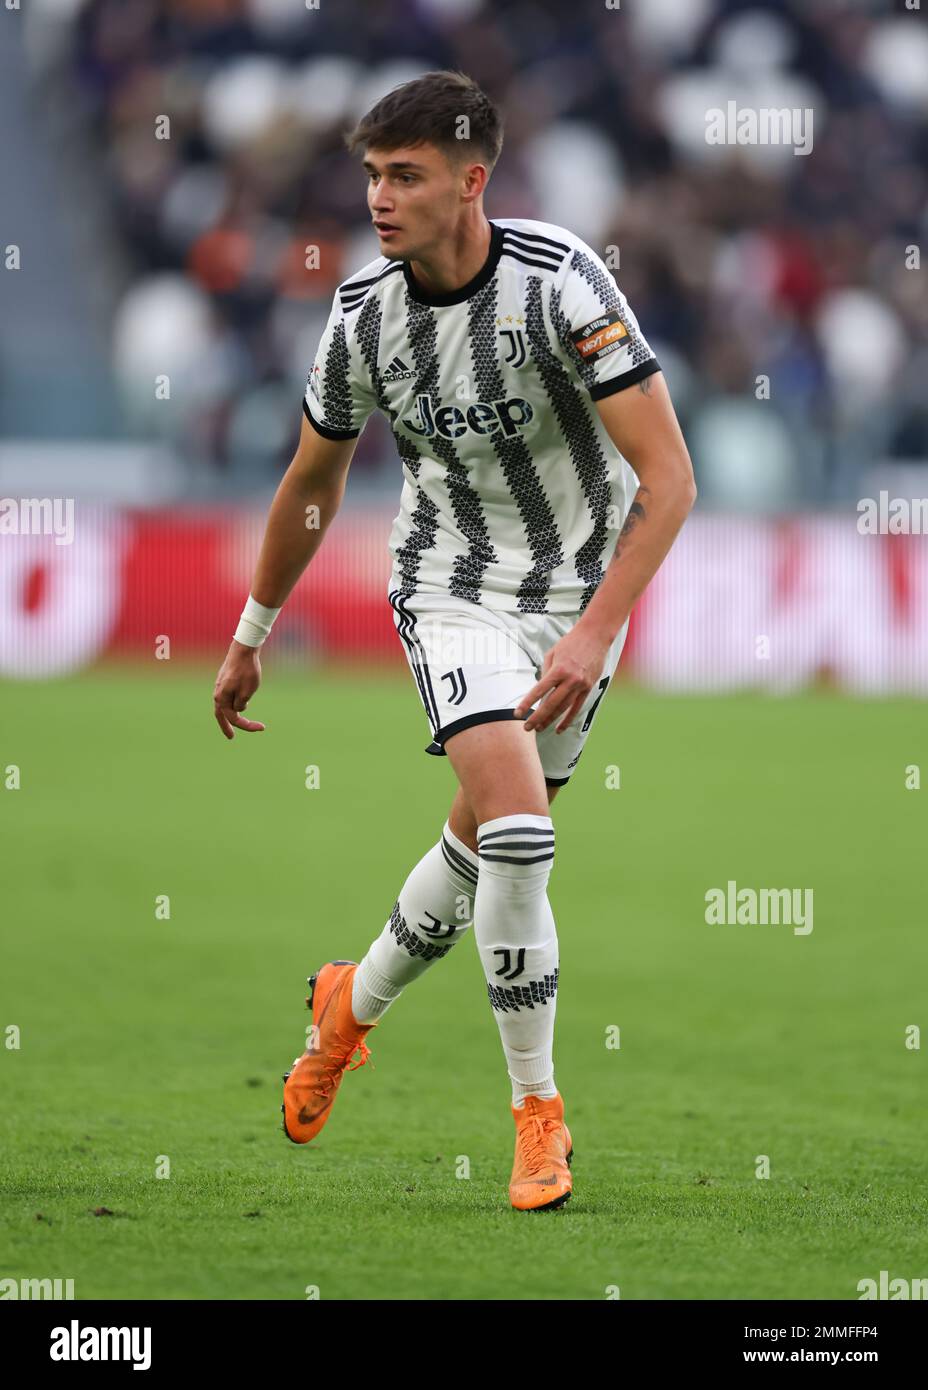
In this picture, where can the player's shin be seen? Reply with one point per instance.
(434, 909)
(517, 941)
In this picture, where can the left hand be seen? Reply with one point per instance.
(569, 671)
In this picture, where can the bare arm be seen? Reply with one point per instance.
(309, 495)
(642, 424)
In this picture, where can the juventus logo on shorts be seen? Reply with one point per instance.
(515, 354)
(458, 685)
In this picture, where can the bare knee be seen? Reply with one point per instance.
(464, 823)
(462, 820)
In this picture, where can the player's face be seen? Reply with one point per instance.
(414, 196)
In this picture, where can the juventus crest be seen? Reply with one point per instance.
(514, 339)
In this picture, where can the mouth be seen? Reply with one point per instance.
(385, 229)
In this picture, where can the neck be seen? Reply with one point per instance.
(453, 263)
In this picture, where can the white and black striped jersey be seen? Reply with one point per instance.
(513, 492)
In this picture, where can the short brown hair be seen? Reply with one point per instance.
(429, 109)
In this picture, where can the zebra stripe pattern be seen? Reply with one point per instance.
(518, 466)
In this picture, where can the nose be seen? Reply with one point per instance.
(379, 200)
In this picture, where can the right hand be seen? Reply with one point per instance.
(238, 679)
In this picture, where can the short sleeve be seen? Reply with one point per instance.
(596, 327)
(337, 400)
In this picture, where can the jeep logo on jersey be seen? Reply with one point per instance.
(483, 417)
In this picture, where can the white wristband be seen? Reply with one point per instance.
(255, 623)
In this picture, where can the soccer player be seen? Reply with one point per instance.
(521, 394)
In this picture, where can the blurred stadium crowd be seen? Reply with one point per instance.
(739, 261)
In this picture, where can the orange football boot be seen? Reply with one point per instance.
(541, 1178)
(315, 1077)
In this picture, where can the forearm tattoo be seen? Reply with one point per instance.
(636, 512)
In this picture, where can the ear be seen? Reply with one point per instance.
(474, 181)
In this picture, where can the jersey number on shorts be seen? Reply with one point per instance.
(593, 707)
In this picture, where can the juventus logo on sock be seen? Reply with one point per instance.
(506, 966)
(435, 927)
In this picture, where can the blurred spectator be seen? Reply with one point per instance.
(742, 262)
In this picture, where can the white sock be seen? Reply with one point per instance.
(433, 911)
(517, 942)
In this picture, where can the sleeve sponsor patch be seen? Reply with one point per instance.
(601, 336)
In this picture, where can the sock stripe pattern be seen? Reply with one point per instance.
(457, 861)
(517, 850)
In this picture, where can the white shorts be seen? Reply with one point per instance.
(473, 665)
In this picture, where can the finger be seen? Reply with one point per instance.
(555, 706)
(537, 717)
(526, 702)
(550, 705)
(223, 722)
(574, 709)
(251, 726)
(540, 688)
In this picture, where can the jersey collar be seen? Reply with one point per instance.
(484, 276)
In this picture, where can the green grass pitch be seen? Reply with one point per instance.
(143, 1038)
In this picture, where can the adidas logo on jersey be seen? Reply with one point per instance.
(483, 417)
(397, 371)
